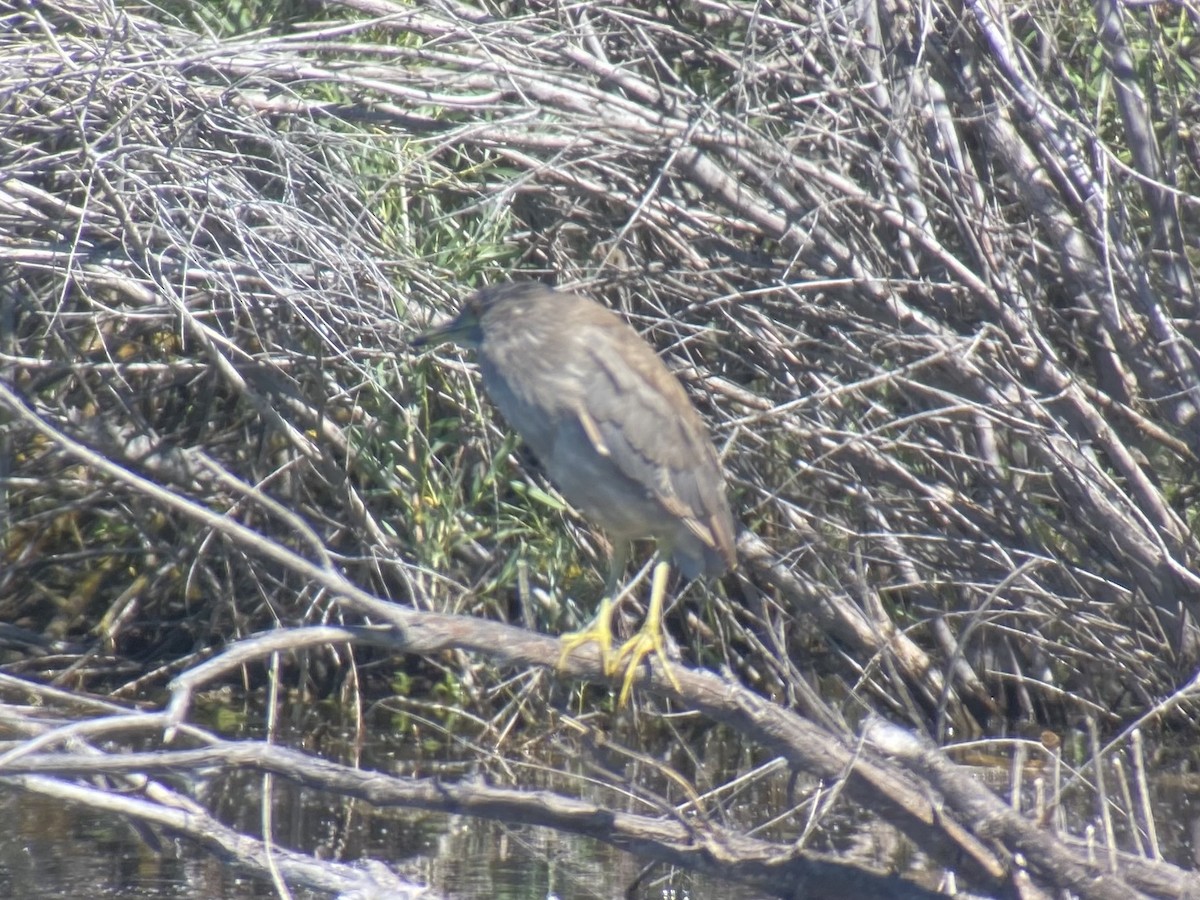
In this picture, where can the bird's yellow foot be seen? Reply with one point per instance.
(598, 631)
(648, 640)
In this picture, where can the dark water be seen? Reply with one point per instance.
(52, 850)
(49, 849)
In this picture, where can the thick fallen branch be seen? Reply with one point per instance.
(778, 868)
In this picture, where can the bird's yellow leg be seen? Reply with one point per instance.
(649, 638)
(598, 630)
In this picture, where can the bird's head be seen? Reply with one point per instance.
(467, 328)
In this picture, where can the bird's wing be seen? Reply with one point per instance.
(638, 415)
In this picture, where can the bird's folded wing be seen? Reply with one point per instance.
(641, 418)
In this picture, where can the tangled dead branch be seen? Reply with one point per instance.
(941, 314)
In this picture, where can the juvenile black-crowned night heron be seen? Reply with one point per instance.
(616, 433)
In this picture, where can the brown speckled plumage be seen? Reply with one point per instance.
(613, 427)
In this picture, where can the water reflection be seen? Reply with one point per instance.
(51, 850)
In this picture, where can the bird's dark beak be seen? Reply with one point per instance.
(436, 335)
(463, 329)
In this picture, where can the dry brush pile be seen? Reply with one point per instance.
(926, 270)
